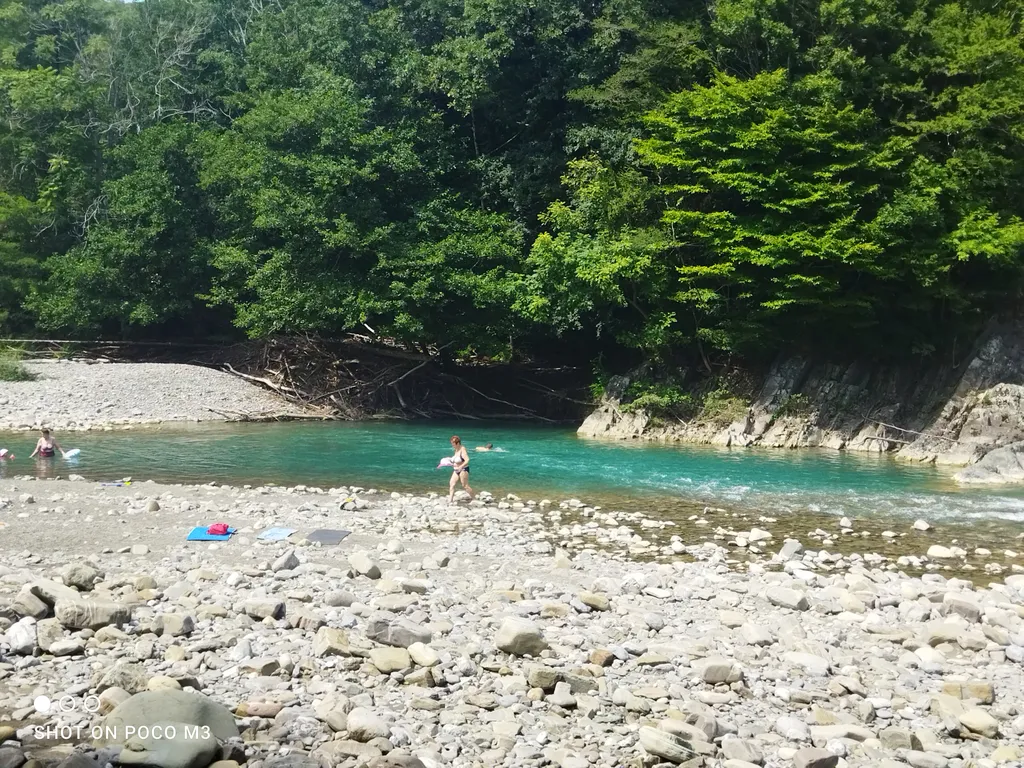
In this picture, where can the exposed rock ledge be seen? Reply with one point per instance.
(930, 413)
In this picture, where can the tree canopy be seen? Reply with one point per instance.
(501, 178)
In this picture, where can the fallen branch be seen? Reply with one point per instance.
(889, 440)
(910, 431)
(411, 370)
(498, 400)
(279, 388)
(262, 416)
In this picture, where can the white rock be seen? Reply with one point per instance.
(520, 637)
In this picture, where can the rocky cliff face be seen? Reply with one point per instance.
(930, 413)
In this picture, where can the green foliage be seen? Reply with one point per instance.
(659, 400)
(721, 407)
(144, 262)
(508, 179)
(12, 368)
(804, 190)
(797, 405)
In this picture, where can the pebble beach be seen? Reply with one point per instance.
(465, 635)
(80, 396)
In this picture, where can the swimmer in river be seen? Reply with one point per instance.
(460, 469)
(46, 447)
(488, 447)
(6, 455)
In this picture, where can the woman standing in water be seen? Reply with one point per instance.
(460, 469)
(46, 447)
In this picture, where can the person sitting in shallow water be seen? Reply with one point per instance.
(488, 447)
(46, 447)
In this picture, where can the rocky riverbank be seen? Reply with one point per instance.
(930, 412)
(70, 396)
(502, 633)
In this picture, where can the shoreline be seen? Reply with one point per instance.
(696, 659)
(988, 546)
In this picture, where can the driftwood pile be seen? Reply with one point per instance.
(357, 379)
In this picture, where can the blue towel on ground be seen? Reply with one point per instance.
(275, 534)
(199, 534)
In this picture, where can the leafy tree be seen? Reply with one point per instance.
(146, 257)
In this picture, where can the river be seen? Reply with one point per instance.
(533, 462)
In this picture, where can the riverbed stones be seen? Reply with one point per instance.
(21, 637)
(286, 562)
(742, 750)
(881, 669)
(81, 576)
(388, 629)
(27, 603)
(423, 655)
(76, 613)
(363, 565)
(666, 745)
(111, 698)
(520, 637)
(717, 670)
(176, 624)
(389, 660)
(962, 605)
(595, 600)
(264, 608)
(823, 734)
(784, 597)
(126, 675)
(331, 641)
(979, 721)
(919, 759)
(67, 647)
(48, 632)
(11, 757)
(792, 729)
(364, 725)
(812, 757)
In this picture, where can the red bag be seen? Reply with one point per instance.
(217, 529)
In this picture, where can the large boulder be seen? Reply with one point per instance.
(520, 637)
(125, 675)
(22, 637)
(81, 576)
(151, 707)
(76, 613)
(386, 629)
(169, 744)
(1000, 466)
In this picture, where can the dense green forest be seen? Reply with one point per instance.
(509, 178)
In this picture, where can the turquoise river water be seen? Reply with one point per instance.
(535, 462)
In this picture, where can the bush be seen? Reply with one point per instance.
(722, 407)
(12, 368)
(794, 405)
(659, 400)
